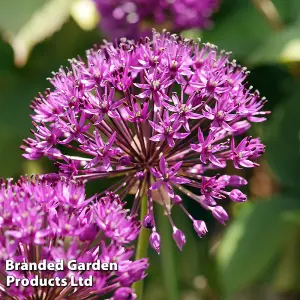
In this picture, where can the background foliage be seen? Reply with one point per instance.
(256, 256)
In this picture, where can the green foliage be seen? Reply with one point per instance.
(262, 232)
(283, 140)
(241, 30)
(12, 19)
(279, 46)
(253, 241)
(246, 32)
(38, 20)
(19, 86)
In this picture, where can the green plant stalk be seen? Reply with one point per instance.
(142, 248)
(168, 260)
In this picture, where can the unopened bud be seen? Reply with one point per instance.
(176, 200)
(200, 227)
(148, 221)
(155, 241)
(124, 293)
(179, 238)
(220, 214)
(237, 196)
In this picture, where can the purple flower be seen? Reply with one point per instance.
(246, 150)
(206, 148)
(103, 151)
(163, 117)
(38, 217)
(182, 111)
(167, 131)
(156, 86)
(166, 176)
(122, 18)
(138, 115)
(104, 106)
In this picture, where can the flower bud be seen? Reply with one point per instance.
(236, 181)
(124, 293)
(176, 200)
(51, 177)
(220, 214)
(140, 175)
(155, 241)
(125, 160)
(89, 233)
(179, 238)
(148, 221)
(237, 196)
(240, 127)
(200, 227)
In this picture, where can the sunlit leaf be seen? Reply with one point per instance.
(20, 85)
(43, 22)
(15, 13)
(85, 14)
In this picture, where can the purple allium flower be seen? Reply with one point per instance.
(162, 132)
(135, 18)
(47, 218)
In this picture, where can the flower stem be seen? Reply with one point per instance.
(142, 248)
(168, 259)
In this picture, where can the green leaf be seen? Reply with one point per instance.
(241, 30)
(19, 86)
(15, 13)
(293, 216)
(288, 273)
(252, 241)
(282, 138)
(40, 22)
(282, 46)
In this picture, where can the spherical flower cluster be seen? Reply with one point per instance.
(135, 18)
(45, 218)
(162, 115)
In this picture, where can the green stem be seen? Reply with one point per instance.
(168, 259)
(142, 248)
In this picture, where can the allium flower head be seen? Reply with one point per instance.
(135, 18)
(174, 112)
(45, 218)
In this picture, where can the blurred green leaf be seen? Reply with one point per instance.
(252, 241)
(289, 10)
(241, 30)
(293, 216)
(44, 20)
(288, 273)
(282, 46)
(15, 13)
(282, 138)
(191, 34)
(19, 86)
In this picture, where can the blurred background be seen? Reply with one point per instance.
(257, 255)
